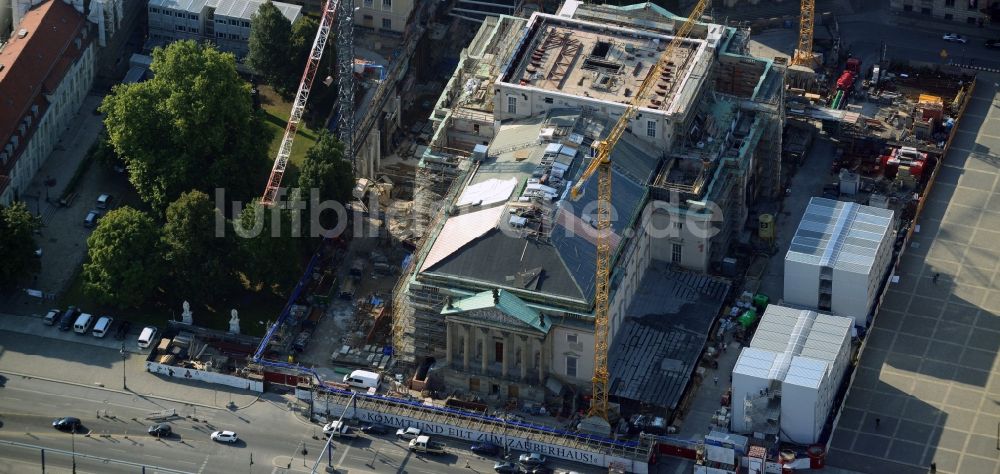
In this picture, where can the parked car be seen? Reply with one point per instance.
(68, 318)
(225, 436)
(123, 329)
(424, 445)
(531, 459)
(339, 429)
(505, 467)
(92, 217)
(52, 317)
(160, 430)
(68, 423)
(407, 433)
(376, 429)
(486, 449)
(993, 43)
(954, 38)
(104, 201)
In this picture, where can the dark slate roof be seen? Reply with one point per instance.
(657, 347)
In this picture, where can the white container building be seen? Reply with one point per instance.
(838, 258)
(789, 375)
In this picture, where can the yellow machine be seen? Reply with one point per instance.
(601, 164)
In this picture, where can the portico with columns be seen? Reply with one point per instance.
(496, 345)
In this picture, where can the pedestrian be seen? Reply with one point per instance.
(716, 380)
(936, 276)
(933, 467)
(878, 421)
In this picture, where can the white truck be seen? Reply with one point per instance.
(339, 429)
(423, 444)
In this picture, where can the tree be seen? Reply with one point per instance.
(269, 248)
(321, 97)
(17, 243)
(270, 45)
(125, 259)
(196, 252)
(191, 126)
(326, 171)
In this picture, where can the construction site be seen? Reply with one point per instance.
(499, 289)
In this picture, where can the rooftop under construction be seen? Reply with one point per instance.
(513, 131)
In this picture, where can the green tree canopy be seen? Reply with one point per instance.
(270, 245)
(189, 127)
(125, 259)
(326, 171)
(197, 249)
(17, 243)
(270, 46)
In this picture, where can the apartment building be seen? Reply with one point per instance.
(971, 12)
(383, 16)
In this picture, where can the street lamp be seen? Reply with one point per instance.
(124, 354)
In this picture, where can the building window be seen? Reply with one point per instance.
(675, 254)
(511, 105)
(651, 128)
(571, 366)
(949, 3)
(386, 24)
(679, 225)
(386, 4)
(369, 3)
(571, 338)
(179, 27)
(369, 18)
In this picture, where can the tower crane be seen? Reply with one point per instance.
(330, 10)
(804, 53)
(601, 164)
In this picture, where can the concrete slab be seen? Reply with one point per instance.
(933, 349)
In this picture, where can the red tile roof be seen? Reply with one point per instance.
(35, 64)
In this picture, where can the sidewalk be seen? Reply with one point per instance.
(73, 359)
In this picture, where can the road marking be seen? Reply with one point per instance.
(204, 463)
(347, 447)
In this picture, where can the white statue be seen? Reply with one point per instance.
(234, 323)
(186, 315)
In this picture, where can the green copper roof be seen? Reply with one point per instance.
(508, 304)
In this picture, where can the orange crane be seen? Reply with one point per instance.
(601, 164)
(299, 106)
(804, 53)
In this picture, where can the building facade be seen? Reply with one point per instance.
(839, 257)
(48, 69)
(513, 129)
(226, 23)
(969, 12)
(383, 16)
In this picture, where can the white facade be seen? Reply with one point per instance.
(389, 16)
(803, 354)
(838, 258)
(223, 22)
(51, 121)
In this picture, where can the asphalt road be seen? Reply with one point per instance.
(270, 434)
(864, 39)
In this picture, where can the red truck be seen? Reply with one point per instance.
(851, 72)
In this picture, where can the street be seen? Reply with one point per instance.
(269, 435)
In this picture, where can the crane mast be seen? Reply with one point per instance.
(299, 105)
(601, 164)
(804, 53)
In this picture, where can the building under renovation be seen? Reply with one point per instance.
(501, 287)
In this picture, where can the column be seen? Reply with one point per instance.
(447, 344)
(486, 354)
(542, 361)
(505, 364)
(466, 345)
(524, 358)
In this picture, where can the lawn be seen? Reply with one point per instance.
(277, 111)
(253, 307)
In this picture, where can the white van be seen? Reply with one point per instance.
(362, 379)
(146, 337)
(101, 326)
(83, 322)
